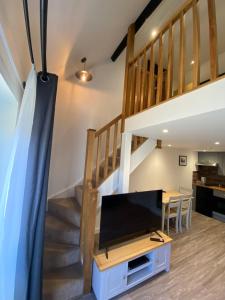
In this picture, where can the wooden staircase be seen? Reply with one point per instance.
(67, 265)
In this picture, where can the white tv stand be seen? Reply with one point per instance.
(113, 276)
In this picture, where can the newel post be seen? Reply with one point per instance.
(86, 184)
(129, 57)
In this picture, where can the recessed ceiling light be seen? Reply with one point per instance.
(154, 33)
(169, 145)
(217, 143)
(192, 62)
(165, 130)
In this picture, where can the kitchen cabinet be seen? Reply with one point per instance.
(204, 201)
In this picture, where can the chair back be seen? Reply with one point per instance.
(185, 190)
(186, 203)
(174, 203)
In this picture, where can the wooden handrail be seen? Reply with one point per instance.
(105, 128)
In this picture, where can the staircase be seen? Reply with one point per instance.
(63, 275)
(63, 270)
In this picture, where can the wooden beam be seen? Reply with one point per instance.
(213, 39)
(196, 45)
(129, 56)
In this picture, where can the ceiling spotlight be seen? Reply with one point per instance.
(169, 145)
(83, 74)
(217, 143)
(192, 62)
(165, 130)
(154, 33)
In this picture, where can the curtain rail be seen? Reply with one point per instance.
(27, 24)
(43, 29)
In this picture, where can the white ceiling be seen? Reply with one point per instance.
(76, 28)
(195, 133)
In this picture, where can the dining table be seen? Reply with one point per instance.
(165, 202)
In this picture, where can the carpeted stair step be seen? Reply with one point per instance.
(57, 255)
(66, 209)
(60, 231)
(63, 284)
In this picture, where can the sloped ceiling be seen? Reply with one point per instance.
(76, 28)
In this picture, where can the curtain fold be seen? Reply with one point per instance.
(12, 193)
(30, 252)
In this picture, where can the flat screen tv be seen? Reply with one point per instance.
(126, 216)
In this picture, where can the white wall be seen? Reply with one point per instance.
(79, 107)
(8, 114)
(161, 170)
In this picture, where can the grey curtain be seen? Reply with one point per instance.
(30, 252)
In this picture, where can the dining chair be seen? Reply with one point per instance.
(173, 212)
(185, 211)
(185, 190)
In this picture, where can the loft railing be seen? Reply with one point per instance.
(160, 71)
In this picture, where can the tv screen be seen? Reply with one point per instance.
(125, 216)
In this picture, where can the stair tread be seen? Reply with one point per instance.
(55, 223)
(59, 247)
(69, 203)
(72, 272)
(64, 283)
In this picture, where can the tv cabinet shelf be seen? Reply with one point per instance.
(112, 276)
(139, 268)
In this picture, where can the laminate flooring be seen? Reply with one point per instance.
(197, 266)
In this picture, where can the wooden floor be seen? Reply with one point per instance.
(197, 267)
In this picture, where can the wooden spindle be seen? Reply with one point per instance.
(143, 82)
(196, 45)
(182, 56)
(151, 78)
(138, 86)
(115, 146)
(106, 164)
(133, 89)
(98, 158)
(169, 80)
(213, 39)
(129, 87)
(160, 71)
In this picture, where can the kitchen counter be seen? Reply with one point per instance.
(212, 187)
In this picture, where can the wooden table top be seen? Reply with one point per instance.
(128, 250)
(167, 195)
